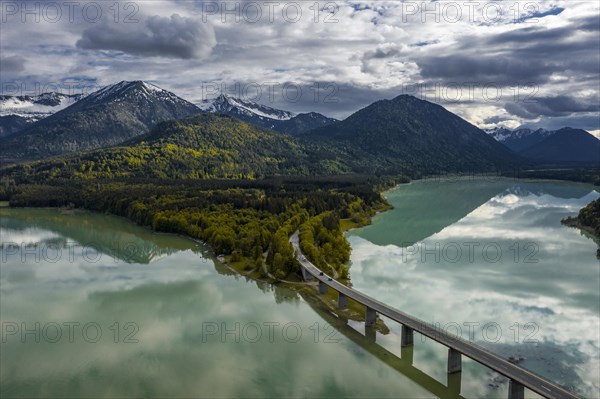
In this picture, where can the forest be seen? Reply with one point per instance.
(588, 219)
(583, 175)
(247, 222)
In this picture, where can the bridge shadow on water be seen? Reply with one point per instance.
(402, 364)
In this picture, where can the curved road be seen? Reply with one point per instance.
(499, 364)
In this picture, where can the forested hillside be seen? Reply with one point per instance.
(200, 147)
(249, 222)
(413, 136)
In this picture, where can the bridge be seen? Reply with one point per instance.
(402, 363)
(518, 377)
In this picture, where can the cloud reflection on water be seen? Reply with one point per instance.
(558, 292)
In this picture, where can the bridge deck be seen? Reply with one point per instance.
(499, 364)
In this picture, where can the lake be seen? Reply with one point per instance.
(489, 260)
(94, 306)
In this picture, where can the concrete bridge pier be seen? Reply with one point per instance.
(305, 274)
(342, 301)
(322, 288)
(515, 390)
(454, 361)
(370, 316)
(407, 336)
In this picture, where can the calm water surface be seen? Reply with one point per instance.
(178, 304)
(490, 261)
(125, 312)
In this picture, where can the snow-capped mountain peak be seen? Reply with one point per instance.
(19, 112)
(519, 139)
(123, 89)
(499, 133)
(36, 107)
(264, 116)
(226, 104)
(503, 134)
(110, 90)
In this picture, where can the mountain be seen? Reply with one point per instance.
(12, 124)
(558, 146)
(519, 139)
(248, 111)
(403, 135)
(267, 117)
(18, 112)
(566, 145)
(106, 117)
(410, 135)
(303, 123)
(199, 147)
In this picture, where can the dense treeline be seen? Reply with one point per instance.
(323, 243)
(584, 175)
(588, 219)
(208, 146)
(204, 146)
(249, 222)
(590, 216)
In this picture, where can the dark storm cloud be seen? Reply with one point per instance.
(589, 24)
(494, 119)
(175, 37)
(527, 35)
(383, 52)
(329, 98)
(521, 56)
(14, 64)
(542, 42)
(552, 106)
(585, 122)
(386, 52)
(520, 111)
(485, 69)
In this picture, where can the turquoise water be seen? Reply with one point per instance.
(154, 316)
(490, 261)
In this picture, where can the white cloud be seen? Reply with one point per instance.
(371, 50)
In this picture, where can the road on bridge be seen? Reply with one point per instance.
(499, 364)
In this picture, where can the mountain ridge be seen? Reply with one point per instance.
(265, 116)
(18, 112)
(566, 145)
(106, 117)
(539, 144)
(519, 139)
(405, 136)
(197, 147)
(407, 133)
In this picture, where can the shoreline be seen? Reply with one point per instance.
(307, 290)
(584, 230)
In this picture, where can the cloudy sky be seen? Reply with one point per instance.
(495, 63)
